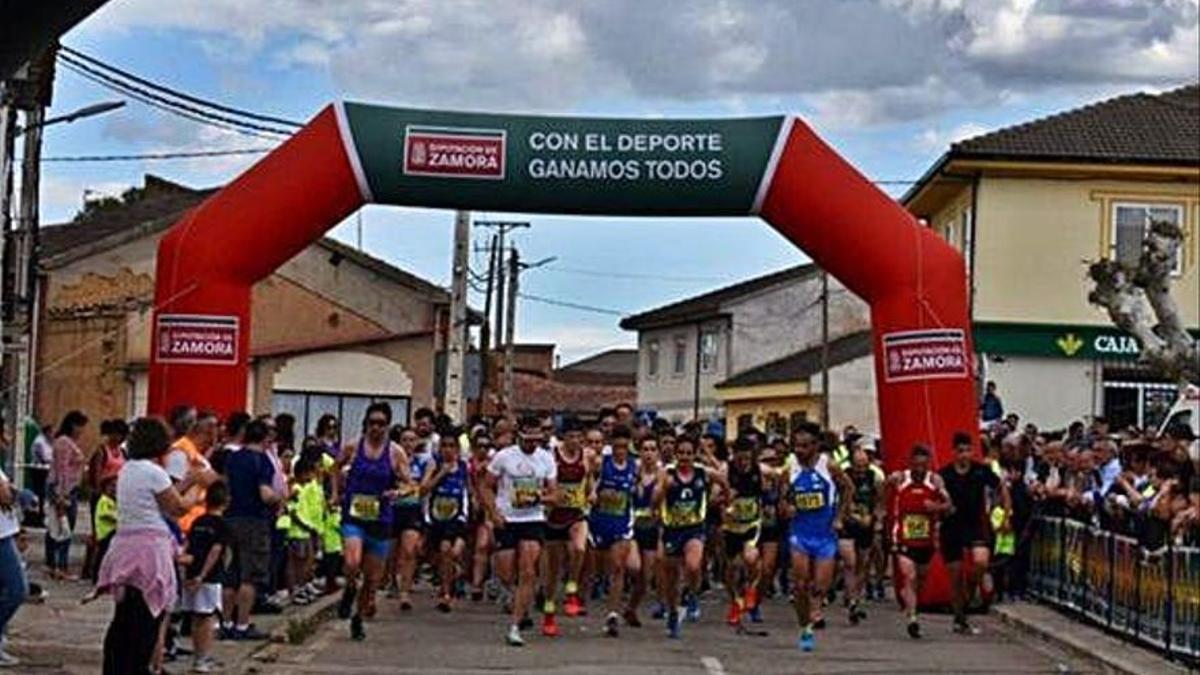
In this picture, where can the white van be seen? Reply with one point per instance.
(1187, 411)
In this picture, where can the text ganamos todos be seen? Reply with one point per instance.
(625, 169)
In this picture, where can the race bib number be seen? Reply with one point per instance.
(364, 507)
(915, 526)
(444, 508)
(612, 502)
(684, 513)
(527, 493)
(409, 495)
(809, 501)
(744, 509)
(574, 496)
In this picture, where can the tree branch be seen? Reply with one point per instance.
(1139, 302)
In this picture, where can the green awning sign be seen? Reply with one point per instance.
(564, 165)
(1075, 342)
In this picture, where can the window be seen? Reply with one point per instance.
(680, 354)
(652, 350)
(308, 407)
(1129, 226)
(708, 350)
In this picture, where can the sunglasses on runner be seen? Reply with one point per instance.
(376, 422)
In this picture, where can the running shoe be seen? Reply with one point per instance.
(632, 620)
(673, 624)
(612, 625)
(476, 595)
(819, 624)
(854, 616)
(526, 623)
(443, 605)
(808, 641)
(734, 617)
(357, 633)
(693, 608)
(755, 614)
(549, 625)
(206, 665)
(514, 639)
(659, 612)
(573, 605)
(346, 604)
(405, 603)
(249, 634)
(914, 629)
(963, 628)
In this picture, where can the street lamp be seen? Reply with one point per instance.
(86, 111)
(540, 263)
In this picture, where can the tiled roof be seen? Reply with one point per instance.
(535, 393)
(160, 205)
(1135, 128)
(709, 304)
(611, 361)
(803, 364)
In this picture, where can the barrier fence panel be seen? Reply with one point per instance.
(1110, 580)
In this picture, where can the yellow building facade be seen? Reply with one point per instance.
(1030, 207)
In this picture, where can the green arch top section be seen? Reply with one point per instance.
(580, 165)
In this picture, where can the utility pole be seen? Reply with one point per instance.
(485, 331)
(8, 134)
(510, 325)
(455, 403)
(25, 289)
(505, 298)
(824, 348)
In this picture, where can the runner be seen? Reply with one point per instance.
(742, 527)
(645, 528)
(448, 489)
(666, 447)
(520, 481)
(858, 530)
(916, 497)
(479, 527)
(819, 494)
(376, 467)
(567, 527)
(408, 521)
(611, 519)
(964, 530)
(773, 527)
(682, 496)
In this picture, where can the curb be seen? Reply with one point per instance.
(299, 627)
(1081, 647)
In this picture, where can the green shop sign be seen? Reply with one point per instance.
(1075, 342)
(563, 165)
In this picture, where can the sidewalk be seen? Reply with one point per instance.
(1108, 652)
(63, 636)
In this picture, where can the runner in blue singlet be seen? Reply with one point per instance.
(818, 494)
(611, 520)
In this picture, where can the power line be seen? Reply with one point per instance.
(179, 94)
(627, 275)
(167, 105)
(156, 155)
(570, 305)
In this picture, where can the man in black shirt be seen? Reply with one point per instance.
(964, 530)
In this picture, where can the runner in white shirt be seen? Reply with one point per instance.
(520, 482)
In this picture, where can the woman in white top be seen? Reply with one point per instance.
(139, 568)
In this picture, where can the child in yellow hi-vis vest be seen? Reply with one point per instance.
(306, 516)
(331, 535)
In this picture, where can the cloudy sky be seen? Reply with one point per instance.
(888, 82)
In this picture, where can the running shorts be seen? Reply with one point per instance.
(956, 539)
(863, 537)
(406, 518)
(450, 530)
(373, 543)
(647, 538)
(817, 548)
(675, 538)
(511, 534)
(735, 542)
(919, 555)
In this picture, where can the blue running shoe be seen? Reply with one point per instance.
(660, 611)
(673, 625)
(756, 615)
(693, 608)
(808, 641)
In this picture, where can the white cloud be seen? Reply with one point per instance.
(939, 140)
(857, 63)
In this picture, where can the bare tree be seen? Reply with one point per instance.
(1138, 300)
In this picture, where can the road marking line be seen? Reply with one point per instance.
(713, 665)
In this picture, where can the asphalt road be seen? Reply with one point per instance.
(469, 641)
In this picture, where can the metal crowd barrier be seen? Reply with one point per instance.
(1110, 580)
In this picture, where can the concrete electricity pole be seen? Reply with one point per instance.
(456, 348)
(510, 326)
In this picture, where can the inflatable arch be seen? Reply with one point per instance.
(774, 167)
